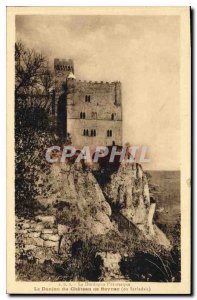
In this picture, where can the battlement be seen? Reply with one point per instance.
(97, 85)
(66, 65)
(101, 87)
(63, 67)
(104, 83)
(57, 61)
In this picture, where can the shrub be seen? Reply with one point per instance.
(153, 267)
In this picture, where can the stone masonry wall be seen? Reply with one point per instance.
(39, 238)
(102, 113)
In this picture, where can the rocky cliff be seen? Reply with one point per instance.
(128, 192)
(77, 206)
(76, 199)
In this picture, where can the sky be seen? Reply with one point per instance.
(143, 52)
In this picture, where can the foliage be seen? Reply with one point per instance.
(151, 262)
(32, 74)
(32, 271)
(154, 267)
(30, 148)
(82, 265)
(32, 127)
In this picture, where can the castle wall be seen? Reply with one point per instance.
(98, 114)
(76, 127)
(99, 101)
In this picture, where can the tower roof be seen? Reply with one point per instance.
(71, 76)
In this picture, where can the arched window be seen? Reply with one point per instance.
(109, 133)
(94, 132)
(112, 116)
(84, 132)
(87, 133)
(82, 115)
(87, 98)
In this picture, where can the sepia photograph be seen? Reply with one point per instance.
(100, 130)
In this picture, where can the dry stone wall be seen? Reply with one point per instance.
(40, 238)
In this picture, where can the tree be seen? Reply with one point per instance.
(33, 83)
(33, 78)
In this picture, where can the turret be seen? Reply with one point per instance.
(71, 83)
(63, 66)
(64, 71)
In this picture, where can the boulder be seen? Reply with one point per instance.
(110, 265)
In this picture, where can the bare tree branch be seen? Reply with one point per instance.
(33, 77)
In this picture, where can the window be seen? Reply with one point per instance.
(109, 133)
(87, 98)
(112, 116)
(93, 132)
(85, 132)
(82, 115)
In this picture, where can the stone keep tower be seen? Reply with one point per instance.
(62, 68)
(64, 87)
(91, 112)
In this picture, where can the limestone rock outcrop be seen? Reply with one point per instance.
(110, 270)
(128, 191)
(76, 199)
(77, 206)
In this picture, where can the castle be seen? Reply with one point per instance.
(89, 113)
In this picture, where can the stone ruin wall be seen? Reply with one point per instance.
(40, 237)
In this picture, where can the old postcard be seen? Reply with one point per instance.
(98, 127)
